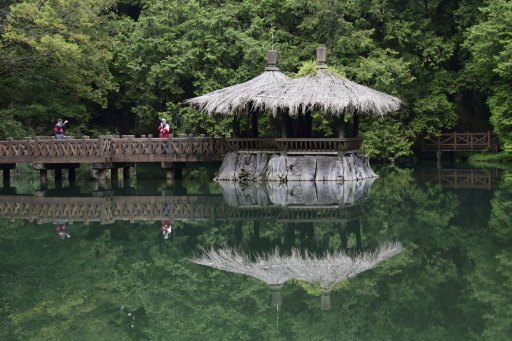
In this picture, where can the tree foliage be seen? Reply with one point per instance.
(123, 65)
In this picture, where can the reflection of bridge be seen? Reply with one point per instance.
(132, 208)
(460, 178)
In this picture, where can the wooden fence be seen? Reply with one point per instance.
(463, 142)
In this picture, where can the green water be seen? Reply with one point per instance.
(116, 279)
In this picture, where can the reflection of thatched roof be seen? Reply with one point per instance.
(269, 268)
(326, 92)
(335, 267)
(235, 98)
(275, 269)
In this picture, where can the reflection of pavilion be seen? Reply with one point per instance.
(323, 272)
(296, 193)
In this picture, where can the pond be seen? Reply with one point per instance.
(416, 254)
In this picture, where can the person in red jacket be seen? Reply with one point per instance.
(59, 129)
(163, 129)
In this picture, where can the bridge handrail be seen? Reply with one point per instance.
(110, 148)
(456, 141)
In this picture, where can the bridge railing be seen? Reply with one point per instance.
(50, 150)
(182, 149)
(150, 149)
(460, 142)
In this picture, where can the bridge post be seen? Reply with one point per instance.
(43, 173)
(6, 174)
(101, 170)
(114, 175)
(173, 171)
(126, 174)
(71, 174)
(58, 176)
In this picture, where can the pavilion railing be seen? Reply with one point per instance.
(318, 146)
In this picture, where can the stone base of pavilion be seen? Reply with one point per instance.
(246, 166)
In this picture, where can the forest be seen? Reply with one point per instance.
(119, 66)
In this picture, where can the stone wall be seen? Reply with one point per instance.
(282, 168)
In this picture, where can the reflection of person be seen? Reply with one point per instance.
(166, 228)
(163, 129)
(61, 229)
(59, 129)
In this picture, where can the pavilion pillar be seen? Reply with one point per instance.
(285, 125)
(254, 123)
(356, 124)
(309, 124)
(236, 126)
(340, 126)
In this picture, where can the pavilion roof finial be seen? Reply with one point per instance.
(272, 61)
(321, 56)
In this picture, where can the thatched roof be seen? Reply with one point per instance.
(325, 92)
(235, 99)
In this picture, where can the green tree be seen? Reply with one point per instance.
(490, 67)
(55, 62)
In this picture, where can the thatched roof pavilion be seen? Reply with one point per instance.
(234, 99)
(325, 92)
(237, 99)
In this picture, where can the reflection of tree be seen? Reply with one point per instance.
(275, 269)
(451, 282)
(492, 278)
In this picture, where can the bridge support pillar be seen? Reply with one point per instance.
(173, 171)
(126, 174)
(43, 173)
(58, 176)
(6, 174)
(114, 175)
(71, 175)
(101, 170)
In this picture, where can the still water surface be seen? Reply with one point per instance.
(421, 254)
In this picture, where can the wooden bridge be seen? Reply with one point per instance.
(460, 142)
(113, 152)
(106, 210)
